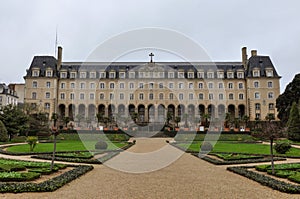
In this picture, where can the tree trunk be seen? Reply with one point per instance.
(272, 157)
(54, 150)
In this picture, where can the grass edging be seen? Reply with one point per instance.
(46, 186)
(266, 180)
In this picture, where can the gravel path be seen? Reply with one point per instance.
(188, 177)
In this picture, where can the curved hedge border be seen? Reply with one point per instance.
(266, 180)
(79, 160)
(244, 161)
(46, 186)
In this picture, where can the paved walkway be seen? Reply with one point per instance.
(187, 177)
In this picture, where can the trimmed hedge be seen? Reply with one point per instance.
(49, 185)
(243, 161)
(266, 180)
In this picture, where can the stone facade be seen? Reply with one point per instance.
(8, 96)
(153, 89)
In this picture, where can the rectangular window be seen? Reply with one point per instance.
(92, 96)
(200, 85)
(48, 84)
(210, 75)
(121, 96)
(230, 75)
(171, 96)
(191, 96)
(141, 74)
(72, 85)
(256, 84)
(171, 85)
(256, 95)
(230, 96)
(151, 96)
(141, 96)
(230, 85)
(35, 73)
(241, 85)
(151, 85)
(210, 96)
(161, 85)
(257, 106)
(111, 96)
(180, 85)
(62, 96)
(34, 84)
(221, 96)
(220, 85)
(47, 106)
(47, 96)
(63, 85)
(122, 85)
(241, 96)
(82, 85)
(72, 96)
(102, 85)
(210, 85)
(270, 84)
(131, 85)
(181, 96)
(221, 75)
(81, 96)
(92, 85)
(240, 75)
(201, 97)
(131, 96)
(257, 116)
(191, 85)
(101, 96)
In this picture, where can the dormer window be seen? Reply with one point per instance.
(220, 75)
(122, 75)
(180, 74)
(190, 74)
(82, 75)
(161, 74)
(131, 74)
(141, 74)
(63, 75)
(93, 75)
(269, 73)
(49, 73)
(102, 75)
(201, 75)
(230, 75)
(112, 75)
(210, 75)
(256, 73)
(240, 75)
(171, 75)
(73, 75)
(35, 73)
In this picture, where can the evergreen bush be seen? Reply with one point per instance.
(3, 132)
(101, 145)
(282, 147)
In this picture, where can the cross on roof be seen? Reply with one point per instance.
(151, 55)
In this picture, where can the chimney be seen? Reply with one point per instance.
(59, 57)
(244, 57)
(253, 53)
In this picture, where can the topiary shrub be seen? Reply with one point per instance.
(206, 147)
(32, 141)
(101, 145)
(3, 132)
(282, 147)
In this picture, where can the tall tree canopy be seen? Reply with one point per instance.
(284, 101)
(294, 123)
(14, 120)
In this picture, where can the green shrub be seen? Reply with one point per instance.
(206, 146)
(17, 176)
(282, 147)
(11, 167)
(101, 145)
(32, 141)
(3, 133)
(295, 177)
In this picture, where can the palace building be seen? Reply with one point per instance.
(153, 91)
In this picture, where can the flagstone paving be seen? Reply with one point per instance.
(187, 177)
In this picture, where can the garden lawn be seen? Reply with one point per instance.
(64, 145)
(239, 148)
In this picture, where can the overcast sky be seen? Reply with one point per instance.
(221, 27)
